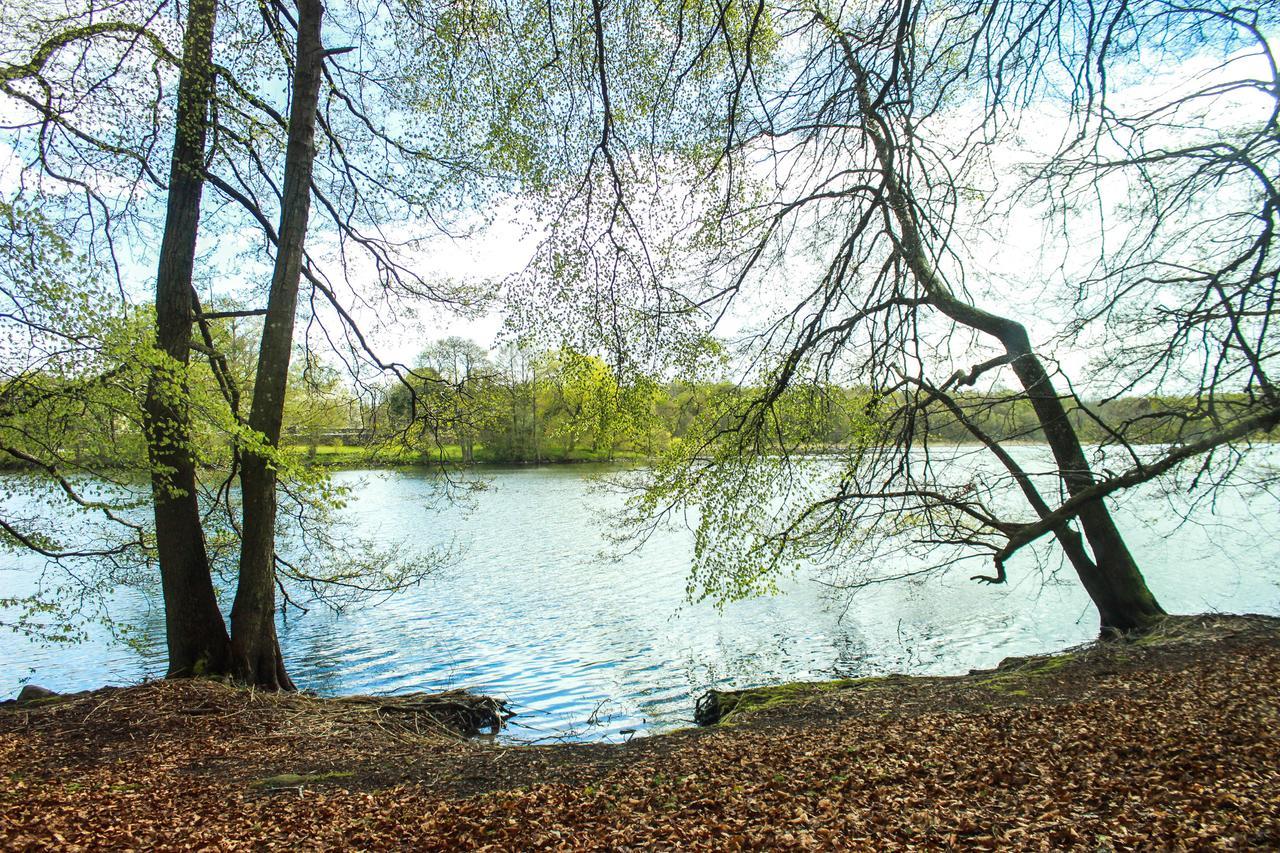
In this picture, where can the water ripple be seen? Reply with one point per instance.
(586, 648)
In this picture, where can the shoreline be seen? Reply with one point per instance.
(626, 459)
(1169, 739)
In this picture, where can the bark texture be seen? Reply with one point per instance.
(197, 637)
(255, 647)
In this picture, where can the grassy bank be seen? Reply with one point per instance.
(356, 456)
(1172, 741)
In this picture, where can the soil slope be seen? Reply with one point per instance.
(1168, 742)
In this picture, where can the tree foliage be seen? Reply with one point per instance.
(846, 183)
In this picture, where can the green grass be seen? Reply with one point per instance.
(383, 454)
(760, 698)
(297, 780)
(1013, 680)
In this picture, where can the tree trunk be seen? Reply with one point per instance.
(571, 442)
(255, 647)
(1111, 578)
(197, 636)
(464, 434)
(533, 408)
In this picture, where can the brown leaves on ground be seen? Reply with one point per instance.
(1165, 745)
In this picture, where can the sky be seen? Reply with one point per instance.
(1005, 267)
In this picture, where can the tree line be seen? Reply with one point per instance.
(467, 404)
(512, 406)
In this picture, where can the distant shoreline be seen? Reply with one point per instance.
(362, 457)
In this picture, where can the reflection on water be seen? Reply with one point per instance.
(587, 647)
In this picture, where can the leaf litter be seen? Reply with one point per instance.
(1170, 742)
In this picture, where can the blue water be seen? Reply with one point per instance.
(587, 647)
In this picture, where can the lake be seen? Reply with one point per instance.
(587, 648)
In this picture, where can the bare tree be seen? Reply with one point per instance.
(846, 168)
(464, 365)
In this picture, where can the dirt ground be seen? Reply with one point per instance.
(1168, 742)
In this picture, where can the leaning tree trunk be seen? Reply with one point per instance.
(197, 636)
(255, 647)
(1111, 578)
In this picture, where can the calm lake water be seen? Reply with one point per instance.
(586, 647)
